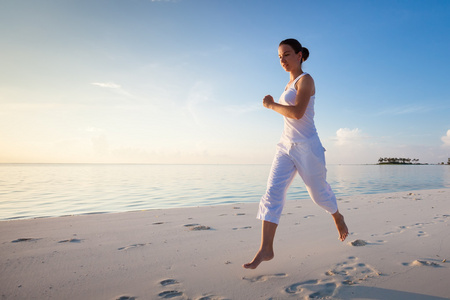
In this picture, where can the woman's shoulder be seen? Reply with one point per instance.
(305, 80)
(306, 76)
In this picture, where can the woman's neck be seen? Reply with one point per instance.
(296, 73)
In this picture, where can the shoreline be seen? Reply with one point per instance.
(401, 251)
(186, 207)
(52, 191)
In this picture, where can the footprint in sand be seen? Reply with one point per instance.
(25, 240)
(131, 246)
(358, 243)
(421, 233)
(347, 272)
(210, 297)
(174, 293)
(325, 291)
(168, 282)
(196, 227)
(351, 271)
(126, 298)
(264, 277)
(442, 218)
(170, 294)
(403, 228)
(312, 289)
(246, 227)
(297, 287)
(418, 263)
(70, 241)
(200, 227)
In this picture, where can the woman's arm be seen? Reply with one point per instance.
(305, 89)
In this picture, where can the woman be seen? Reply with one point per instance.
(299, 150)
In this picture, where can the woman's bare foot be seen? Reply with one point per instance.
(262, 255)
(340, 225)
(265, 252)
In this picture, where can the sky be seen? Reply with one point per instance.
(180, 82)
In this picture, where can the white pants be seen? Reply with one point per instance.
(306, 158)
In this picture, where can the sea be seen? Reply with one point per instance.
(52, 190)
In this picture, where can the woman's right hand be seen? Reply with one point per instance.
(268, 101)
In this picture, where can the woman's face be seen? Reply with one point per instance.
(289, 60)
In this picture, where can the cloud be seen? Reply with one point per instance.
(109, 85)
(116, 88)
(407, 109)
(350, 146)
(446, 139)
(345, 136)
(353, 146)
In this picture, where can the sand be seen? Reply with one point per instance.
(398, 248)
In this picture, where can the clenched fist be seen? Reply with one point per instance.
(268, 101)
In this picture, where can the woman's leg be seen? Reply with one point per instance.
(271, 205)
(265, 252)
(310, 162)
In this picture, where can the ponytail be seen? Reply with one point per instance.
(297, 48)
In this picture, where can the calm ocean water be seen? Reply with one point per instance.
(47, 190)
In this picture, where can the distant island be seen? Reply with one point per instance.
(398, 161)
(403, 161)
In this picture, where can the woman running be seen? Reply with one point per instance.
(299, 151)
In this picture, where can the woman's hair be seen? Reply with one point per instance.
(297, 47)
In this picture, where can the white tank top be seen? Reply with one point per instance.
(297, 130)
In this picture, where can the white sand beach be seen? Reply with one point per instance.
(400, 250)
